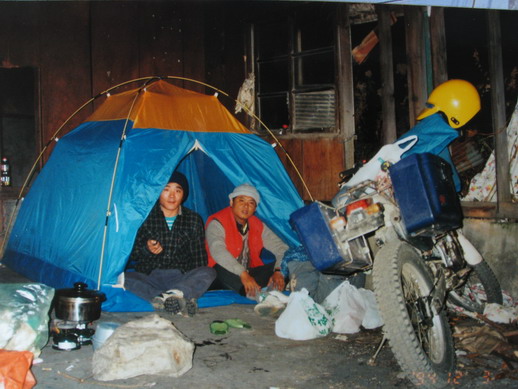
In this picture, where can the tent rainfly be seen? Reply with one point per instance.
(81, 215)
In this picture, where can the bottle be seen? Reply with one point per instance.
(5, 172)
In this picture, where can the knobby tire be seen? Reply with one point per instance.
(483, 275)
(425, 353)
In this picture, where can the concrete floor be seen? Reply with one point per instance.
(251, 358)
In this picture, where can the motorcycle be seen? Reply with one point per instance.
(404, 225)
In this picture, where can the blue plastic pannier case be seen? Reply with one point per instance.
(424, 190)
(313, 229)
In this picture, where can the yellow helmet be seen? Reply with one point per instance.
(457, 99)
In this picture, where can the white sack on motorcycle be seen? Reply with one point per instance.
(390, 153)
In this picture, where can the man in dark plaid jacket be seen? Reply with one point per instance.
(168, 256)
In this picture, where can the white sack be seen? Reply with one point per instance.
(389, 153)
(151, 345)
(351, 308)
(303, 318)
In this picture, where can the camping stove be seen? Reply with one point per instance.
(74, 309)
(70, 335)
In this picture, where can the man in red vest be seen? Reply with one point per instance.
(236, 244)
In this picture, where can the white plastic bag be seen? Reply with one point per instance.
(389, 153)
(303, 318)
(24, 316)
(351, 308)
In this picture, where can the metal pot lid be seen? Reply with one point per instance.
(80, 292)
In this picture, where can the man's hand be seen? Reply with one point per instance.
(277, 281)
(251, 286)
(154, 246)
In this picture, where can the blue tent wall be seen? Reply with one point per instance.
(58, 233)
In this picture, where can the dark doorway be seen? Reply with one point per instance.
(19, 134)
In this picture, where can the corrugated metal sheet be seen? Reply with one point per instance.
(314, 110)
(465, 155)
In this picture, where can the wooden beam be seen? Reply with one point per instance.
(416, 61)
(498, 106)
(345, 84)
(486, 210)
(388, 126)
(438, 46)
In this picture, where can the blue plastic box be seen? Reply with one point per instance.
(313, 229)
(424, 190)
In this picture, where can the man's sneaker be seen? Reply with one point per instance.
(270, 306)
(158, 302)
(175, 305)
(191, 306)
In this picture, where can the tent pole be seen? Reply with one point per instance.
(54, 137)
(112, 185)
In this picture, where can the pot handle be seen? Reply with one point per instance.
(80, 286)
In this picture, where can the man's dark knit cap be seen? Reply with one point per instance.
(181, 180)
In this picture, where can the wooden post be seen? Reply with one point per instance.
(345, 84)
(388, 128)
(416, 61)
(498, 107)
(438, 45)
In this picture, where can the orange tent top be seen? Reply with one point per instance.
(165, 106)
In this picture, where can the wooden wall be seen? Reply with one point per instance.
(319, 161)
(83, 48)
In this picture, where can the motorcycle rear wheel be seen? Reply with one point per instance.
(420, 340)
(480, 275)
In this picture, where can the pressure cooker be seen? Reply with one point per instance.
(78, 304)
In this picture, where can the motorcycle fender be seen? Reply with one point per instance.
(471, 254)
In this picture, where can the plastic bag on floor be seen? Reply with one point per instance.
(303, 318)
(15, 370)
(24, 316)
(351, 308)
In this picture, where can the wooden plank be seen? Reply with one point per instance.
(345, 82)
(498, 106)
(323, 161)
(438, 45)
(161, 35)
(416, 61)
(64, 64)
(294, 148)
(388, 126)
(486, 210)
(19, 33)
(193, 31)
(114, 45)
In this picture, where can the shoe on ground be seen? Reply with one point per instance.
(158, 302)
(270, 306)
(191, 307)
(175, 305)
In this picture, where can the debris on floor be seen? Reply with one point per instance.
(483, 343)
